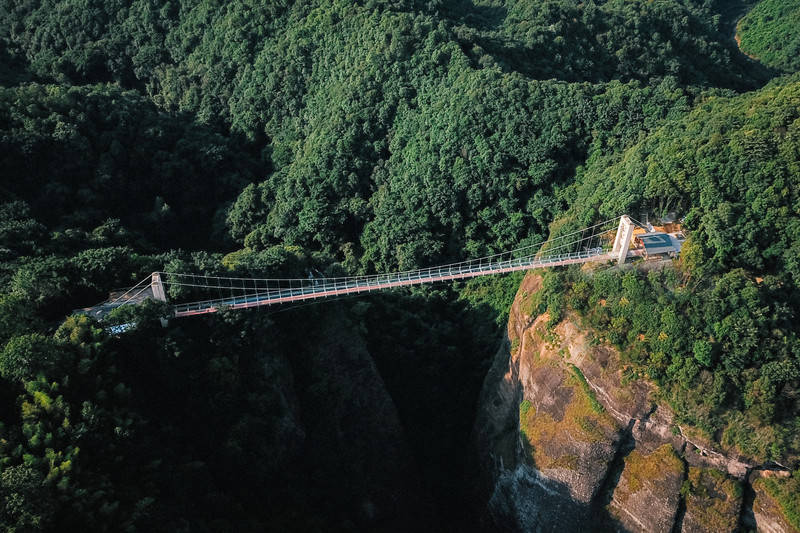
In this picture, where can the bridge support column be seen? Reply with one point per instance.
(157, 287)
(622, 242)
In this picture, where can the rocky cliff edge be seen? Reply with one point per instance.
(569, 438)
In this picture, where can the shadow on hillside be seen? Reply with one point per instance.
(579, 55)
(475, 16)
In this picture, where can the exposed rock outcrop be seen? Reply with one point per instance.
(713, 501)
(767, 514)
(647, 495)
(570, 439)
(353, 433)
(564, 437)
(541, 434)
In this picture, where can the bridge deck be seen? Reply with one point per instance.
(325, 289)
(116, 299)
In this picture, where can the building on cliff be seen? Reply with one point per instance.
(657, 244)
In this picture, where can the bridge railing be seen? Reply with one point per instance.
(327, 287)
(590, 243)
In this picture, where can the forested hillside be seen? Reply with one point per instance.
(769, 33)
(720, 333)
(270, 138)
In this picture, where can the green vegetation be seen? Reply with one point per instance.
(597, 407)
(599, 40)
(769, 33)
(524, 407)
(716, 333)
(576, 417)
(740, 397)
(647, 469)
(268, 138)
(784, 491)
(713, 499)
(494, 291)
(60, 421)
(139, 170)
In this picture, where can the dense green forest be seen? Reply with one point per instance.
(769, 33)
(724, 341)
(355, 137)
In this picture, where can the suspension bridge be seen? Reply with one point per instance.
(606, 241)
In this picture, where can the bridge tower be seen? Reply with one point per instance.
(157, 287)
(623, 239)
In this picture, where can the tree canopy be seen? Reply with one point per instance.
(271, 138)
(769, 33)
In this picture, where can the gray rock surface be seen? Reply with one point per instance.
(566, 443)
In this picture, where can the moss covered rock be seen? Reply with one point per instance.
(713, 501)
(777, 503)
(647, 495)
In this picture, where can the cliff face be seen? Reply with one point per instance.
(766, 513)
(350, 466)
(570, 439)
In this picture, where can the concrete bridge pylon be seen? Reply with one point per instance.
(622, 241)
